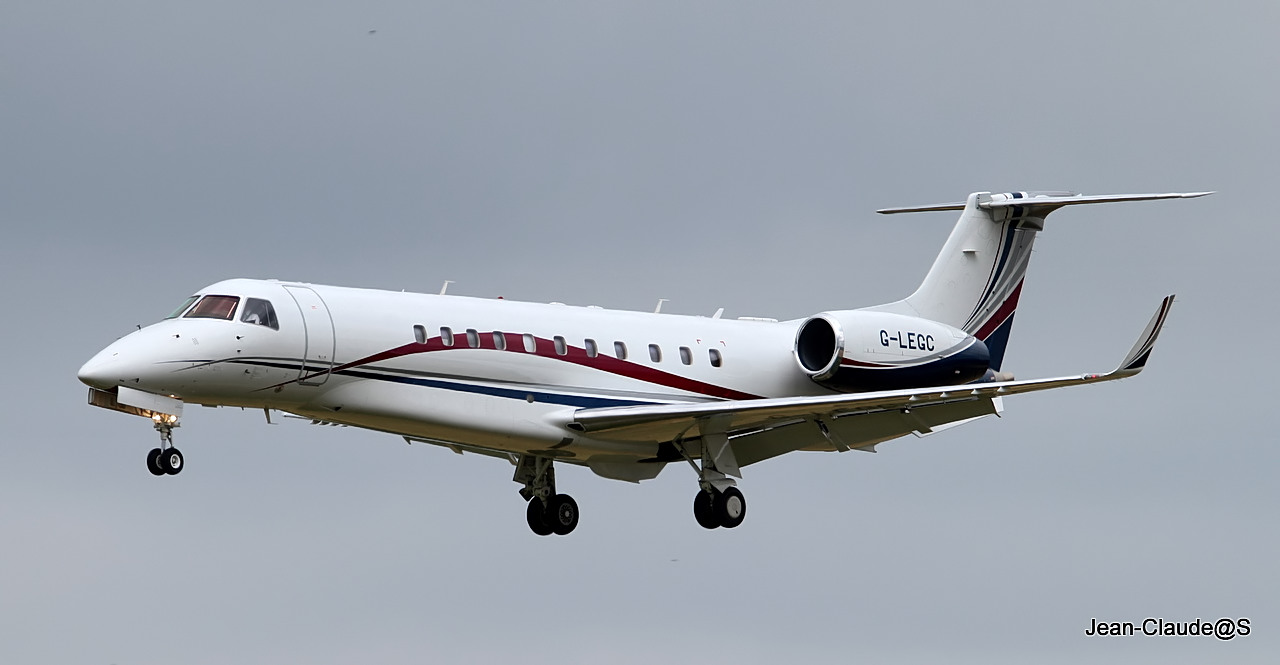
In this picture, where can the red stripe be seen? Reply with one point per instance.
(847, 362)
(1006, 310)
(574, 354)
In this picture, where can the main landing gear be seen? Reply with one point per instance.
(547, 512)
(718, 502)
(165, 460)
(713, 508)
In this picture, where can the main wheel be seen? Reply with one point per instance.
(704, 510)
(536, 514)
(730, 508)
(153, 462)
(171, 461)
(562, 514)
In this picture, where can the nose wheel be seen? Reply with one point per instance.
(165, 460)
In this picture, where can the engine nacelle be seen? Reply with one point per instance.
(859, 350)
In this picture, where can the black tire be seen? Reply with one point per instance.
(171, 461)
(562, 514)
(730, 508)
(153, 463)
(704, 510)
(536, 514)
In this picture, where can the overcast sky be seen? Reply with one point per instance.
(715, 154)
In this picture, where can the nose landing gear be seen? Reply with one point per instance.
(165, 460)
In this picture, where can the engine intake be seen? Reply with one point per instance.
(819, 347)
(859, 350)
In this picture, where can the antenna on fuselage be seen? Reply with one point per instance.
(718, 313)
(445, 286)
(658, 309)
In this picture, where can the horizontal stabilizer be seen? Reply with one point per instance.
(1050, 200)
(1057, 201)
(930, 208)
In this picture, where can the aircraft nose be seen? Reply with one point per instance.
(101, 370)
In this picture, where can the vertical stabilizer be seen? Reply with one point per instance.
(976, 280)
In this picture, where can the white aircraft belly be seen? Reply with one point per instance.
(444, 415)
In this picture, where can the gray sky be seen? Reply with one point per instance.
(716, 154)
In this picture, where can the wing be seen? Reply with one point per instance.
(879, 415)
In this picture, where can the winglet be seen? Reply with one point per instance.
(1137, 358)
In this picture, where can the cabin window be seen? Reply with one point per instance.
(715, 357)
(259, 312)
(530, 343)
(592, 349)
(686, 356)
(473, 338)
(655, 353)
(620, 350)
(499, 341)
(446, 336)
(420, 334)
(214, 307)
(561, 347)
(183, 307)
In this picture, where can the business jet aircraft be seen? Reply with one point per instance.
(622, 393)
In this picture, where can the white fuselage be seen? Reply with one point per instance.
(379, 359)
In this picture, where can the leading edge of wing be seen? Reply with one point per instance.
(668, 421)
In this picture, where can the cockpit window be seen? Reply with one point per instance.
(214, 307)
(178, 312)
(259, 312)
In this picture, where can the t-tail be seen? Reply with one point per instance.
(976, 281)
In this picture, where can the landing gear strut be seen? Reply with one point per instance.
(547, 512)
(718, 502)
(165, 460)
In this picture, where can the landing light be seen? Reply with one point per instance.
(163, 418)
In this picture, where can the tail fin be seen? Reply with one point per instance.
(976, 280)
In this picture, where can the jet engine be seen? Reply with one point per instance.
(862, 350)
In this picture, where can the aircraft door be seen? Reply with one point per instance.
(318, 344)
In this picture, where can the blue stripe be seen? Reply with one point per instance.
(967, 365)
(995, 279)
(580, 401)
